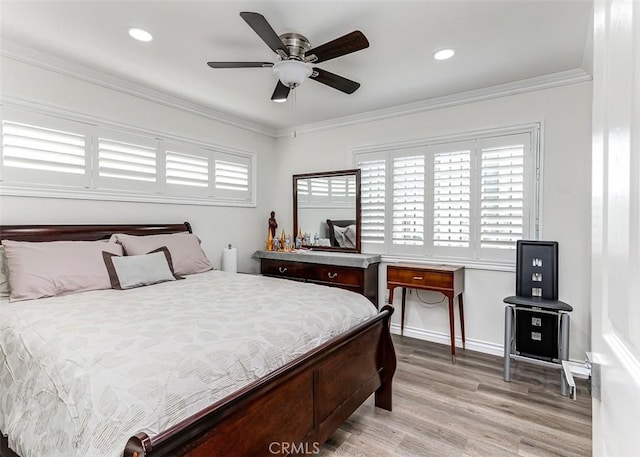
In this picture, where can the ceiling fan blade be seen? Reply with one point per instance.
(240, 64)
(351, 42)
(281, 92)
(260, 25)
(332, 80)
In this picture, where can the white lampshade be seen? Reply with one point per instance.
(292, 73)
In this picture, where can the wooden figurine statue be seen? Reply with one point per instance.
(273, 224)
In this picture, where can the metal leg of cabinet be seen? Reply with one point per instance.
(511, 351)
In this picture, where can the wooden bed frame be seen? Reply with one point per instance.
(291, 411)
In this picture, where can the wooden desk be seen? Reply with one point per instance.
(446, 279)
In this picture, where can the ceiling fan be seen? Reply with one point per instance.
(297, 57)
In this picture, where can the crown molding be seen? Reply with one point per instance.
(574, 76)
(84, 73)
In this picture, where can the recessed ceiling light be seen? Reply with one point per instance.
(140, 35)
(444, 54)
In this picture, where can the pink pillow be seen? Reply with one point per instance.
(186, 254)
(56, 268)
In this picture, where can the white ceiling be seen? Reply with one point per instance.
(496, 42)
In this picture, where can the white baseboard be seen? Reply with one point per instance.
(443, 338)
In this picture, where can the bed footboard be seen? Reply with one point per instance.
(293, 410)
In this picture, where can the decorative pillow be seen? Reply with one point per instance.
(139, 270)
(46, 269)
(5, 290)
(186, 253)
(345, 236)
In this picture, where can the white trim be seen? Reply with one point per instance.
(626, 358)
(460, 136)
(443, 338)
(17, 190)
(576, 75)
(66, 67)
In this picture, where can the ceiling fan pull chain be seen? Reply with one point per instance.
(294, 112)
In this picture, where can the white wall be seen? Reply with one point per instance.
(216, 226)
(566, 116)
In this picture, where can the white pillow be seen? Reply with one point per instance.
(345, 236)
(127, 272)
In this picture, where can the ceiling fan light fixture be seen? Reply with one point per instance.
(292, 73)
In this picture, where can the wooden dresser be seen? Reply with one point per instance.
(355, 272)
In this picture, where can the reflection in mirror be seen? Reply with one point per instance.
(327, 209)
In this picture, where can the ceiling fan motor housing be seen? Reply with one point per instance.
(296, 44)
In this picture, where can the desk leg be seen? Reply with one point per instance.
(564, 351)
(452, 330)
(391, 289)
(404, 301)
(461, 307)
(508, 342)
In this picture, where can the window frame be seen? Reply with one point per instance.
(94, 187)
(474, 256)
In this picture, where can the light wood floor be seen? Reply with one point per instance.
(467, 409)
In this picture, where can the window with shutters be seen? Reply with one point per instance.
(408, 186)
(372, 195)
(44, 155)
(54, 152)
(186, 170)
(503, 193)
(232, 176)
(127, 161)
(451, 184)
(468, 198)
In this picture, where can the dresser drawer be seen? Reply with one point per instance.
(420, 277)
(335, 275)
(282, 268)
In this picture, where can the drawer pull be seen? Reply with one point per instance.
(282, 269)
(332, 275)
(417, 278)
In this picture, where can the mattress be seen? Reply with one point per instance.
(82, 373)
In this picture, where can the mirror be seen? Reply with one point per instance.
(326, 210)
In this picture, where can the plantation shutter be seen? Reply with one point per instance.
(372, 196)
(303, 192)
(127, 161)
(502, 193)
(408, 190)
(186, 170)
(319, 188)
(232, 176)
(451, 197)
(44, 151)
(338, 190)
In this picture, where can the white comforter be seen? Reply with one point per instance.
(81, 374)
